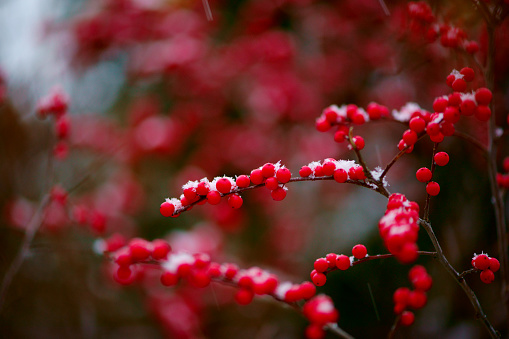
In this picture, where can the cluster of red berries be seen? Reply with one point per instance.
(405, 298)
(447, 111)
(320, 311)
(424, 23)
(137, 250)
(273, 176)
(503, 178)
(424, 174)
(487, 265)
(333, 261)
(346, 115)
(399, 229)
(341, 170)
(56, 104)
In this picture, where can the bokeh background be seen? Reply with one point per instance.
(166, 91)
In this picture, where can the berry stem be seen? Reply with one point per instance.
(500, 218)
(480, 315)
(473, 141)
(467, 272)
(394, 327)
(31, 230)
(428, 197)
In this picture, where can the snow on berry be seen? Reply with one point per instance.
(406, 112)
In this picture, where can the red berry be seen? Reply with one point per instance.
(408, 253)
(331, 259)
(374, 111)
(471, 47)
(271, 183)
(459, 85)
(140, 249)
(307, 290)
(305, 171)
(213, 197)
(494, 264)
(481, 262)
(319, 279)
(407, 318)
(359, 142)
(452, 114)
(409, 137)
(62, 127)
(321, 265)
(440, 104)
(468, 107)
(454, 99)
(441, 158)
(244, 296)
(417, 124)
(256, 176)
(268, 170)
(468, 74)
(242, 181)
(328, 168)
(401, 296)
(423, 174)
(447, 128)
(169, 279)
(167, 209)
(487, 276)
(359, 173)
(315, 331)
(483, 96)
(433, 128)
(359, 251)
(278, 194)
(283, 175)
(450, 80)
(437, 138)
(235, 201)
(322, 125)
(203, 188)
(340, 175)
(160, 249)
(224, 185)
(483, 113)
(343, 262)
(433, 188)
(417, 299)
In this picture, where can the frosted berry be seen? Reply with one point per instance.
(278, 194)
(283, 175)
(203, 188)
(454, 99)
(322, 125)
(359, 142)
(433, 188)
(483, 96)
(343, 262)
(441, 158)
(268, 170)
(481, 262)
(235, 201)
(359, 251)
(487, 276)
(224, 185)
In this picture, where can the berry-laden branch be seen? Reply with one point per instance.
(199, 271)
(274, 177)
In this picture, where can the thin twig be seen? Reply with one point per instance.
(24, 250)
(428, 197)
